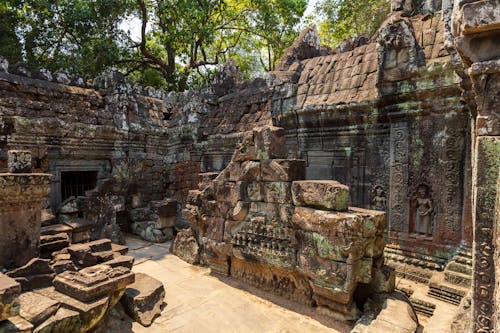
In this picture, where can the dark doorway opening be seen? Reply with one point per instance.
(76, 183)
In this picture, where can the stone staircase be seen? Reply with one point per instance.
(456, 279)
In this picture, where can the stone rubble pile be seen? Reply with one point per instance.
(52, 283)
(259, 222)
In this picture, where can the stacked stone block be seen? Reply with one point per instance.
(260, 223)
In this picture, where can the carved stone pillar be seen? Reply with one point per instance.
(398, 201)
(22, 196)
(476, 30)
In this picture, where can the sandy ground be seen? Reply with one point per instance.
(199, 302)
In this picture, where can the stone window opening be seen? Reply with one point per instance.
(76, 183)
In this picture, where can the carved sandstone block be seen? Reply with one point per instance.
(329, 224)
(93, 282)
(322, 194)
(283, 170)
(143, 299)
(19, 161)
(186, 247)
(270, 142)
(277, 192)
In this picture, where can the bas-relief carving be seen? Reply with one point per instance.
(379, 200)
(398, 52)
(398, 177)
(421, 212)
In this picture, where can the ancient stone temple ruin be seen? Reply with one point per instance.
(356, 182)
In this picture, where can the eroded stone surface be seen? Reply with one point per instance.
(36, 308)
(93, 282)
(186, 247)
(143, 299)
(329, 195)
(9, 293)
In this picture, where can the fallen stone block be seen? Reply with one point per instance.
(80, 229)
(322, 194)
(16, 324)
(9, 297)
(55, 229)
(37, 273)
(121, 261)
(91, 313)
(92, 253)
(60, 266)
(64, 320)
(53, 243)
(186, 247)
(36, 308)
(143, 299)
(93, 282)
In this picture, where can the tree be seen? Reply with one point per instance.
(344, 19)
(180, 43)
(10, 45)
(80, 36)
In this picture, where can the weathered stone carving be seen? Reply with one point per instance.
(379, 200)
(143, 299)
(421, 211)
(300, 239)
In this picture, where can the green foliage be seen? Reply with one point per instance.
(344, 19)
(180, 43)
(10, 45)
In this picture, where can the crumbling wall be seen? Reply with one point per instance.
(108, 128)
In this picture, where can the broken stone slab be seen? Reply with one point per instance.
(143, 299)
(37, 273)
(53, 243)
(93, 282)
(9, 297)
(36, 308)
(270, 143)
(80, 229)
(19, 161)
(322, 194)
(55, 229)
(186, 247)
(91, 313)
(92, 253)
(120, 249)
(60, 266)
(64, 320)
(16, 324)
(121, 261)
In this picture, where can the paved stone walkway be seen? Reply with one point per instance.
(200, 302)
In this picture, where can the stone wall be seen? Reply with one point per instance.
(387, 119)
(109, 129)
(384, 115)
